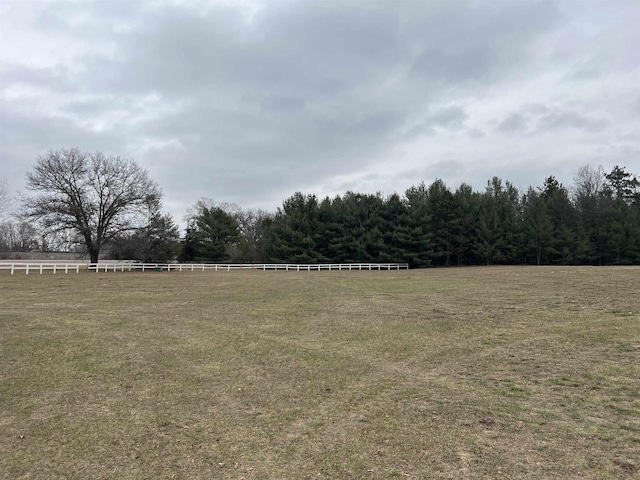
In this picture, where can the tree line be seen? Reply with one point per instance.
(598, 224)
(91, 201)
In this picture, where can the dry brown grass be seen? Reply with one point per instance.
(471, 373)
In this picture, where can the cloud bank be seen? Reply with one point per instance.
(247, 102)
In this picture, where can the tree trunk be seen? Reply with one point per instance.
(93, 254)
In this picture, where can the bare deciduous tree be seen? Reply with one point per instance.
(588, 183)
(96, 195)
(5, 201)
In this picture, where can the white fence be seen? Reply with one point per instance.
(32, 267)
(192, 267)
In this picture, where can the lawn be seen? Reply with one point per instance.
(505, 372)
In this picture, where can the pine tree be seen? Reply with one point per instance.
(214, 231)
(538, 226)
(419, 253)
(467, 205)
(441, 210)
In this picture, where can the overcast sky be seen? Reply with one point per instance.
(250, 101)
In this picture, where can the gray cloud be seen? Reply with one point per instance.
(442, 119)
(568, 119)
(453, 66)
(513, 123)
(280, 103)
(535, 119)
(449, 117)
(249, 102)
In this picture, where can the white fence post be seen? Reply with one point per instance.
(121, 267)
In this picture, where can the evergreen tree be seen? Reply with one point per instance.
(188, 245)
(371, 212)
(214, 231)
(538, 226)
(346, 230)
(623, 184)
(592, 200)
(498, 235)
(569, 244)
(397, 231)
(295, 231)
(488, 242)
(418, 222)
(467, 206)
(621, 233)
(441, 224)
(158, 241)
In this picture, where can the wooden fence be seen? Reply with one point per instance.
(33, 267)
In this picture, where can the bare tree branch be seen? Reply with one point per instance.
(5, 200)
(98, 196)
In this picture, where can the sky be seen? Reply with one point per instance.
(247, 101)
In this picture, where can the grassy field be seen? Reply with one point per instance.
(522, 373)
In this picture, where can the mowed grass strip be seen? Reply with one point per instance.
(517, 372)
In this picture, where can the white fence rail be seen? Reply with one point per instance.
(192, 267)
(32, 267)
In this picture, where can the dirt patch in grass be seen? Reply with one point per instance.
(452, 373)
